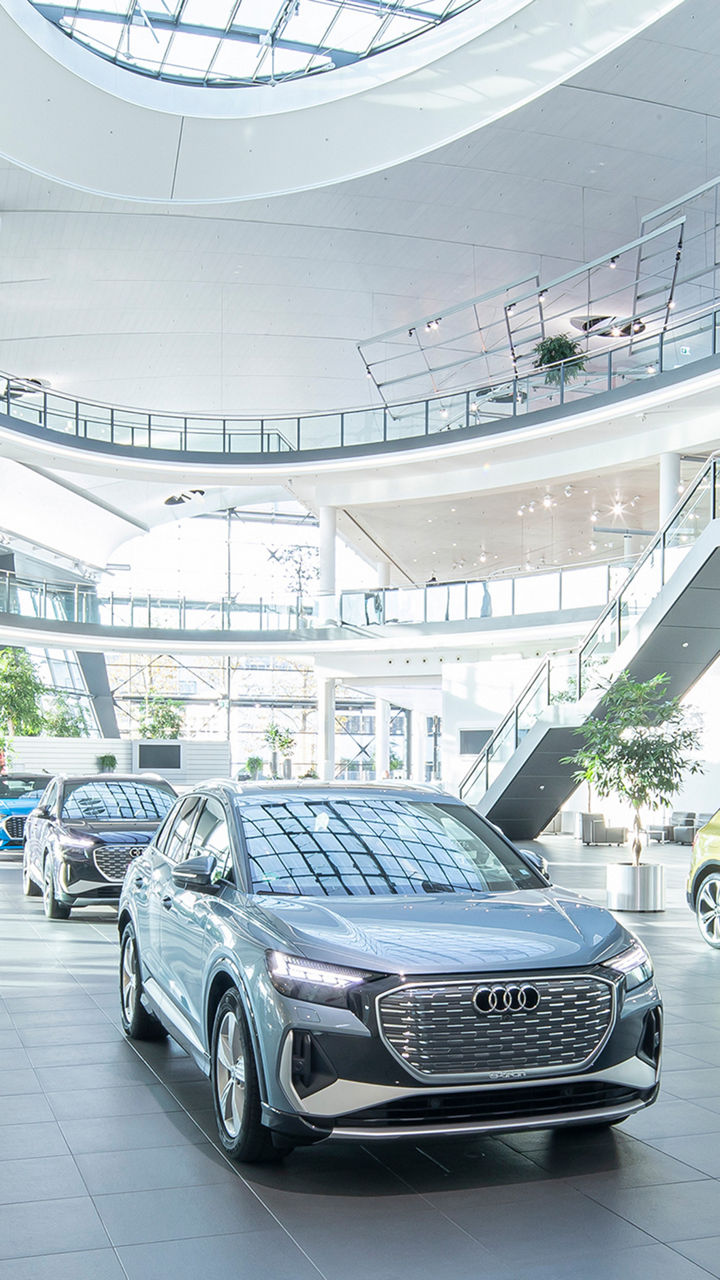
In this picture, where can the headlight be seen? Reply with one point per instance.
(67, 840)
(635, 963)
(313, 980)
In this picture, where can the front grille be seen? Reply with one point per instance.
(436, 1031)
(488, 1105)
(14, 827)
(113, 860)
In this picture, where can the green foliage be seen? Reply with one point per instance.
(253, 765)
(107, 763)
(65, 720)
(550, 351)
(161, 717)
(279, 740)
(20, 694)
(639, 746)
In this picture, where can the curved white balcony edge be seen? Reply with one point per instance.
(96, 127)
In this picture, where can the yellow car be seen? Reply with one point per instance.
(703, 883)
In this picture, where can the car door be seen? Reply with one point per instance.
(160, 886)
(184, 936)
(38, 826)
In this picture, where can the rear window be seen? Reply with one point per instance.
(113, 801)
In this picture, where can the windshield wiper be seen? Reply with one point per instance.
(434, 886)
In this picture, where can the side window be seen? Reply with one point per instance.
(49, 796)
(213, 837)
(164, 831)
(176, 841)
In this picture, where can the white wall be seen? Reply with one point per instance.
(475, 695)
(201, 758)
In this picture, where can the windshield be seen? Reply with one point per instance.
(22, 788)
(113, 801)
(376, 845)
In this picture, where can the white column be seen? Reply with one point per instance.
(669, 484)
(326, 728)
(326, 584)
(627, 546)
(419, 745)
(382, 739)
(383, 573)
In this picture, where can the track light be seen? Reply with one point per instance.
(411, 333)
(509, 310)
(613, 262)
(568, 490)
(547, 501)
(542, 294)
(615, 331)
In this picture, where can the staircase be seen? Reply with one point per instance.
(665, 618)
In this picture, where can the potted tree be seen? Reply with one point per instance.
(561, 358)
(279, 740)
(253, 766)
(639, 745)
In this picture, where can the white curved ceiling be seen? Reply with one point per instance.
(258, 307)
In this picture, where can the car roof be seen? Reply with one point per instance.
(112, 777)
(314, 787)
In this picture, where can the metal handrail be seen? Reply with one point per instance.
(168, 432)
(543, 672)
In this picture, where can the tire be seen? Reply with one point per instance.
(137, 1023)
(707, 910)
(236, 1095)
(53, 909)
(29, 887)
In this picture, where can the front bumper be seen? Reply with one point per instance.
(78, 881)
(348, 1086)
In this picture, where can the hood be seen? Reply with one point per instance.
(109, 833)
(447, 933)
(19, 806)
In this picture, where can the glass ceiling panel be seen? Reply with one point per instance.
(242, 42)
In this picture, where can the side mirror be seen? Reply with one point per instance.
(196, 873)
(540, 864)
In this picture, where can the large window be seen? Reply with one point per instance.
(243, 42)
(373, 845)
(110, 801)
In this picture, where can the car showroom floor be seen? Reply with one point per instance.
(108, 1168)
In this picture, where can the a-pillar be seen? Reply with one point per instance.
(382, 739)
(669, 485)
(326, 729)
(326, 583)
(419, 743)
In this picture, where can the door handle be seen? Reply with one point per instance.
(167, 903)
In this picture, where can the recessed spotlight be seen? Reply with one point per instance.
(568, 490)
(685, 644)
(547, 501)
(483, 558)
(521, 511)
(594, 516)
(593, 546)
(531, 507)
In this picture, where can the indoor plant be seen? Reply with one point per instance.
(639, 745)
(551, 351)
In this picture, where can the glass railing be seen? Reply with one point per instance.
(567, 677)
(634, 360)
(588, 587)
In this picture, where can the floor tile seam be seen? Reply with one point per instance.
(686, 1258)
(617, 1212)
(231, 1165)
(431, 1205)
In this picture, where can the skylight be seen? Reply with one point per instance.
(243, 42)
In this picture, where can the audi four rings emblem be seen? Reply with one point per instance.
(506, 999)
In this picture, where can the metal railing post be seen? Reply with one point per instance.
(610, 371)
(562, 381)
(76, 595)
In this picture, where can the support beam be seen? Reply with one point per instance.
(669, 485)
(382, 739)
(418, 754)
(326, 729)
(326, 585)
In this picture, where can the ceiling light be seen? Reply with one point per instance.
(672, 304)
(367, 372)
(593, 546)
(681, 488)
(453, 508)
(411, 333)
(617, 508)
(685, 644)
(568, 490)
(521, 511)
(473, 408)
(594, 516)
(615, 331)
(509, 310)
(613, 262)
(483, 558)
(547, 501)
(542, 294)
(443, 413)
(651, 368)
(531, 507)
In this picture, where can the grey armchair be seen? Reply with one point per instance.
(594, 830)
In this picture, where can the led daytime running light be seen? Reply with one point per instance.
(296, 969)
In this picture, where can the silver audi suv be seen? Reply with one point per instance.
(375, 962)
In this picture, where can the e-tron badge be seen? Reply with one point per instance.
(510, 998)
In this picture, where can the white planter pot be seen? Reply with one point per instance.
(631, 888)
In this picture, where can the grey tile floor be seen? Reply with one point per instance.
(108, 1167)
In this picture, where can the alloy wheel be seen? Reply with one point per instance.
(230, 1073)
(707, 910)
(129, 978)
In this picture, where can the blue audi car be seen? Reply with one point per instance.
(372, 962)
(19, 794)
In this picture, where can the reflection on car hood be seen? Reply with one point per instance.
(447, 933)
(110, 832)
(20, 806)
